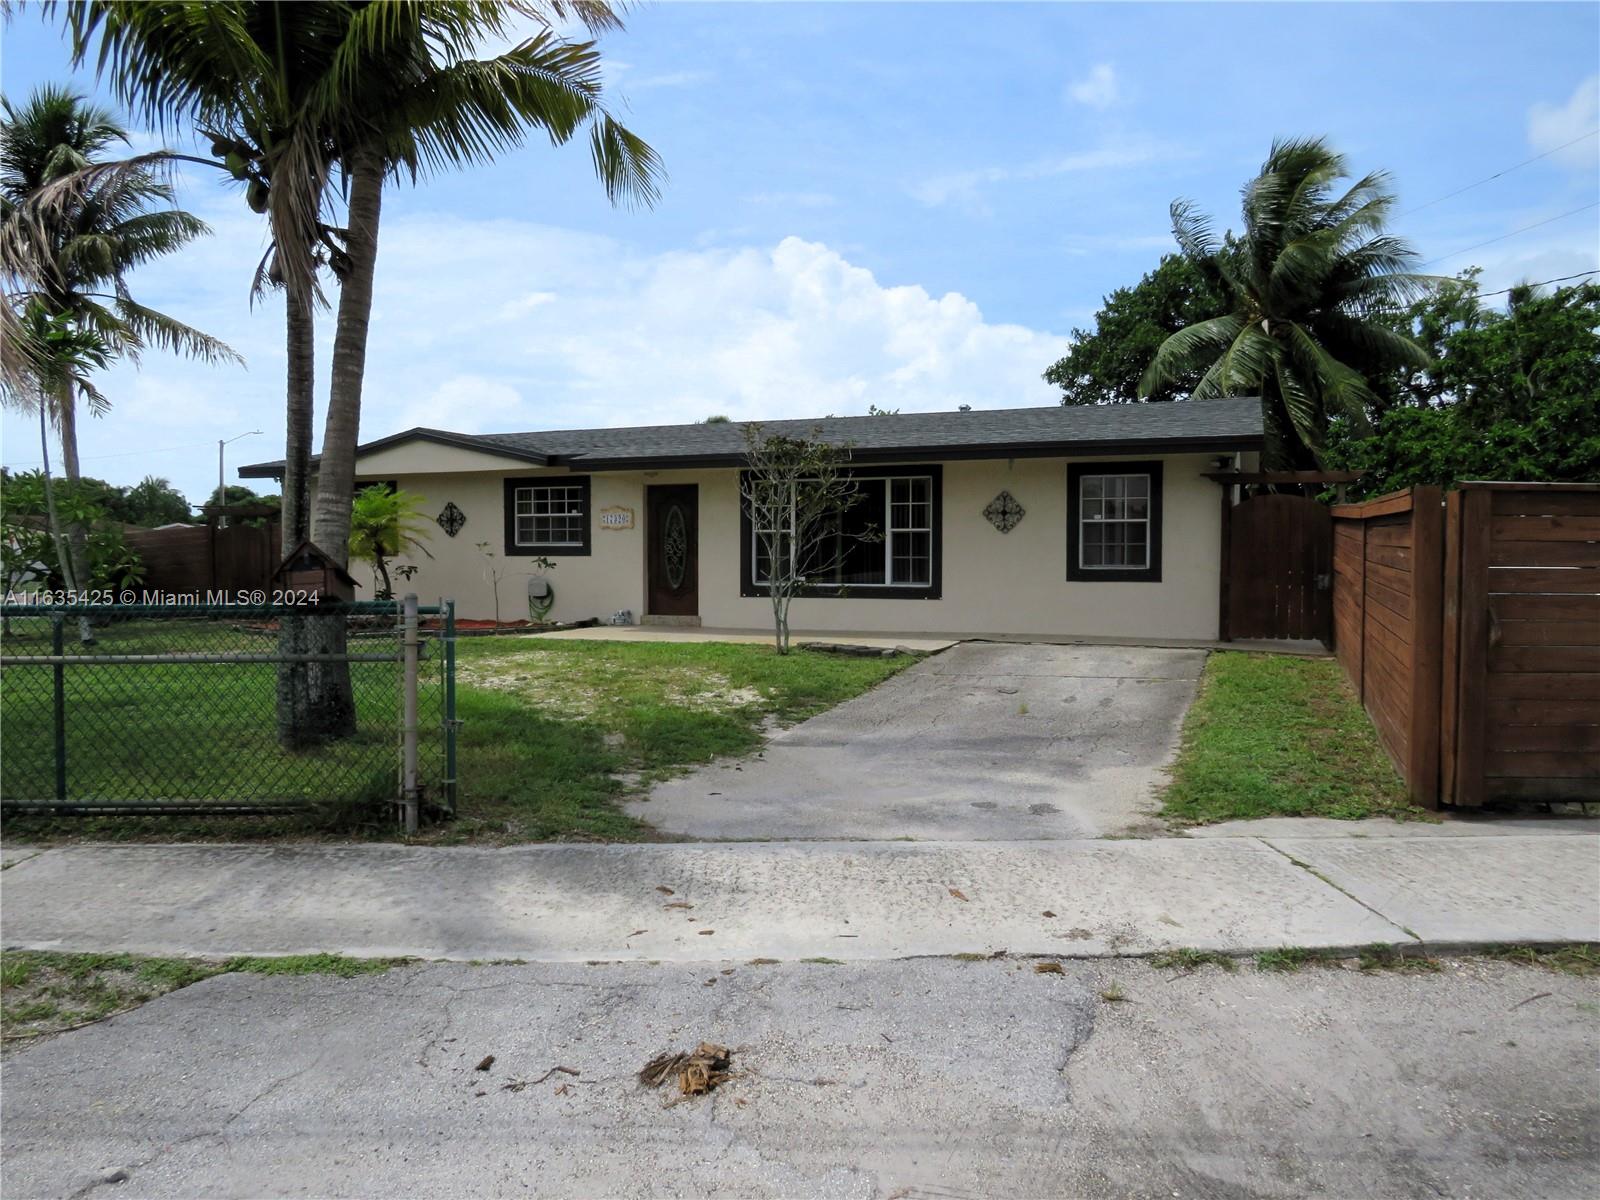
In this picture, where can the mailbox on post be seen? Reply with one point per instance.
(309, 569)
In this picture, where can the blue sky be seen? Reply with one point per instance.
(910, 205)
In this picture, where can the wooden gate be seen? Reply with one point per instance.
(1279, 570)
(1522, 643)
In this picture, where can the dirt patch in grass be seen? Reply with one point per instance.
(1280, 736)
(42, 992)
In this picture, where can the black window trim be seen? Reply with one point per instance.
(1148, 574)
(931, 590)
(508, 503)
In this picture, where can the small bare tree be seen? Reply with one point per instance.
(796, 491)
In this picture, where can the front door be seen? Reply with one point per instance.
(673, 551)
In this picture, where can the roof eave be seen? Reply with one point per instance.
(442, 437)
(1100, 448)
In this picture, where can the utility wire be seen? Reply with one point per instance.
(1497, 174)
(1513, 233)
(124, 454)
(1541, 283)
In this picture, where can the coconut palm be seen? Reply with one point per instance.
(80, 242)
(288, 92)
(424, 105)
(1305, 279)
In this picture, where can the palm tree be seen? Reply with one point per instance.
(77, 305)
(286, 92)
(384, 524)
(1305, 280)
(422, 104)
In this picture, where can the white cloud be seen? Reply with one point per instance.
(964, 186)
(1080, 245)
(670, 79)
(501, 325)
(794, 199)
(462, 404)
(789, 331)
(1098, 89)
(522, 305)
(1563, 127)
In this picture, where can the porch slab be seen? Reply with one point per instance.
(921, 643)
(918, 643)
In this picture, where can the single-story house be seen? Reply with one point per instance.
(1069, 521)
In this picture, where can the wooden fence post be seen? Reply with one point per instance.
(1427, 582)
(1450, 650)
(1472, 649)
(1361, 683)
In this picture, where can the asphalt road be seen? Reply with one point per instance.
(919, 1078)
(983, 742)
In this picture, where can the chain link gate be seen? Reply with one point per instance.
(173, 709)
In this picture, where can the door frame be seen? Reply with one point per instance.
(652, 493)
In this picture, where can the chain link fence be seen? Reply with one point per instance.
(175, 709)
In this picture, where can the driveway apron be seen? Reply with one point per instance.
(983, 742)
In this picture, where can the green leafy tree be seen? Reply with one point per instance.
(1105, 364)
(1511, 394)
(383, 526)
(1302, 281)
(32, 556)
(152, 502)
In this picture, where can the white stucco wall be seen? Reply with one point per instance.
(1011, 583)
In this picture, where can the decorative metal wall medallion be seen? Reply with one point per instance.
(451, 519)
(675, 547)
(1004, 513)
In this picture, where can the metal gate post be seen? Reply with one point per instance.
(450, 705)
(409, 717)
(58, 648)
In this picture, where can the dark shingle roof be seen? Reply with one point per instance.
(1233, 423)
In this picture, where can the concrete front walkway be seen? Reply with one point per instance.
(840, 900)
(922, 643)
(984, 741)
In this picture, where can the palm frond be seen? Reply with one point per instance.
(1183, 352)
(1193, 231)
(158, 329)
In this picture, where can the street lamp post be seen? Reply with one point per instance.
(222, 487)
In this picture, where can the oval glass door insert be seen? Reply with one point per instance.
(675, 547)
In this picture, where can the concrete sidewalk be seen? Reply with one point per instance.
(839, 900)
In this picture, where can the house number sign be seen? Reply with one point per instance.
(616, 517)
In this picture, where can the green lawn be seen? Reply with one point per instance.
(1280, 736)
(553, 733)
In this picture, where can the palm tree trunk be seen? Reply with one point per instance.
(63, 562)
(332, 695)
(77, 533)
(297, 724)
(337, 473)
(300, 328)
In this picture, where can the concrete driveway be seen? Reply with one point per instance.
(982, 742)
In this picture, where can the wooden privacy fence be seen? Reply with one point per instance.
(1387, 577)
(200, 558)
(1471, 629)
